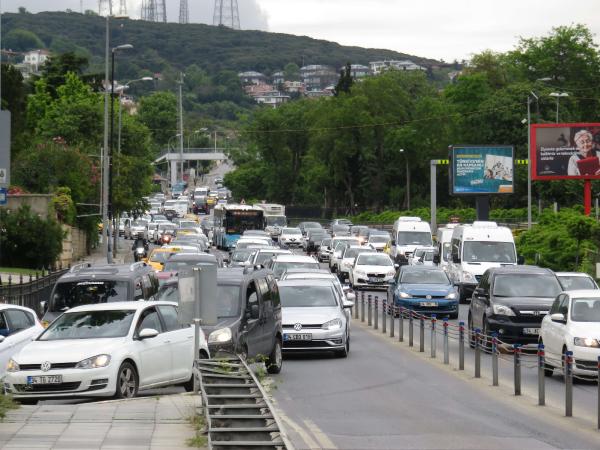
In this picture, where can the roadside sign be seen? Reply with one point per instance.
(3, 176)
(4, 148)
(3, 199)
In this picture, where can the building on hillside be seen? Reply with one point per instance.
(254, 90)
(378, 67)
(317, 77)
(252, 77)
(294, 86)
(358, 71)
(278, 78)
(272, 99)
(318, 93)
(32, 62)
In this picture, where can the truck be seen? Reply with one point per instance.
(408, 234)
(274, 218)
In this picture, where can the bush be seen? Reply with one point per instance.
(27, 240)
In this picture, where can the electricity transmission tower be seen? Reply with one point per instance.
(184, 13)
(105, 7)
(154, 10)
(123, 8)
(227, 14)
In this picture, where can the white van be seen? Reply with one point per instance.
(181, 206)
(476, 248)
(408, 234)
(444, 244)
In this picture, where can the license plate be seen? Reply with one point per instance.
(429, 304)
(375, 280)
(299, 337)
(531, 330)
(45, 379)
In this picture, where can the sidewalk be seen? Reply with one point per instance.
(98, 254)
(142, 423)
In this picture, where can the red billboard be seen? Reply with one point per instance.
(565, 151)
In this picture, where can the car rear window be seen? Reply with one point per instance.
(526, 285)
(307, 296)
(68, 295)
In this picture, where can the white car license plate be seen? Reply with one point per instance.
(299, 337)
(428, 304)
(535, 331)
(375, 280)
(45, 379)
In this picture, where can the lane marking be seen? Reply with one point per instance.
(319, 435)
(306, 438)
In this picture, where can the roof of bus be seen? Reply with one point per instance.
(237, 207)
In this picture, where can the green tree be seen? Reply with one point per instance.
(20, 40)
(159, 113)
(291, 72)
(345, 82)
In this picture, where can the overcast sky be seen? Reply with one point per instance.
(439, 29)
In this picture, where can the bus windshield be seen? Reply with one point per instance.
(236, 222)
(278, 221)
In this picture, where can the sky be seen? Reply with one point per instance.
(438, 29)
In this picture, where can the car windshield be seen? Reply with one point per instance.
(572, 282)
(241, 255)
(325, 242)
(139, 223)
(498, 252)
(264, 256)
(187, 223)
(307, 296)
(291, 231)
(340, 244)
(228, 298)
(160, 257)
(374, 260)
(279, 221)
(352, 252)
(158, 217)
(280, 267)
(526, 285)
(425, 277)
(413, 238)
(312, 225)
(89, 325)
(75, 293)
(379, 239)
(585, 310)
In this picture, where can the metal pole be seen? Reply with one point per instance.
(541, 375)
(477, 353)
(433, 337)
(400, 324)
(598, 410)
(369, 311)
(461, 346)
(568, 383)
(410, 328)
(557, 109)
(362, 307)
(384, 310)
(407, 182)
(421, 334)
(494, 359)
(105, 237)
(181, 122)
(446, 346)
(392, 319)
(517, 368)
(196, 351)
(355, 307)
(433, 193)
(110, 151)
(529, 162)
(376, 312)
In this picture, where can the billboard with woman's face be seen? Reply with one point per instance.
(565, 151)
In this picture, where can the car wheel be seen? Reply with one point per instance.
(127, 381)
(275, 360)
(344, 353)
(470, 332)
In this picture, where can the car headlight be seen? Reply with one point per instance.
(502, 310)
(451, 296)
(220, 336)
(12, 366)
(403, 295)
(391, 273)
(360, 273)
(334, 324)
(94, 362)
(586, 342)
(467, 276)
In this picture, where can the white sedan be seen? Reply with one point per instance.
(372, 270)
(105, 350)
(573, 324)
(18, 327)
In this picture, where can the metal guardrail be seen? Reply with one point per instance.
(239, 414)
(32, 293)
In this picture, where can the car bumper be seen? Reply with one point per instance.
(324, 257)
(322, 340)
(75, 383)
(586, 361)
(513, 332)
(443, 307)
(295, 244)
(365, 283)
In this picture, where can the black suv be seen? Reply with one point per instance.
(512, 302)
(86, 284)
(248, 315)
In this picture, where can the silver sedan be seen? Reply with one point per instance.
(313, 317)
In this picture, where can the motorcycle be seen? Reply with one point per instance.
(139, 253)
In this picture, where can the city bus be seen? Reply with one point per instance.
(232, 220)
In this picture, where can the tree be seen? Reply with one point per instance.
(291, 72)
(20, 40)
(159, 113)
(345, 82)
(14, 98)
(57, 67)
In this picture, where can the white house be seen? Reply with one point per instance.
(379, 66)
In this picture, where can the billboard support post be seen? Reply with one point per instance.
(433, 184)
(482, 207)
(587, 197)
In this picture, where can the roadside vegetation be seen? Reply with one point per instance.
(6, 404)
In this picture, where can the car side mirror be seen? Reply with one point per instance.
(436, 259)
(42, 307)
(393, 242)
(396, 266)
(348, 304)
(351, 296)
(254, 313)
(520, 260)
(480, 293)
(147, 333)
(455, 259)
(558, 317)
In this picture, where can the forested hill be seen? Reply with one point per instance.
(159, 46)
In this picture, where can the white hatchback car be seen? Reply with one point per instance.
(18, 327)
(105, 350)
(573, 324)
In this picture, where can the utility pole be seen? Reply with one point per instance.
(105, 162)
(181, 122)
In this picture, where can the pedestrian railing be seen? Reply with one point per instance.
(15, 291)
(399, 318)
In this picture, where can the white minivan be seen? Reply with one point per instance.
(476, 248)
(408, 234)
(444, 244)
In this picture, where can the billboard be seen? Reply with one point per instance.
(482, 170)
(564, 151)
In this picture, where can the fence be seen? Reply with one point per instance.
(371, 310)
(32, 293)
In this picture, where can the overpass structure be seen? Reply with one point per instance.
(175, 158)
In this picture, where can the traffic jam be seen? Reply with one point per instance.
(115, 330)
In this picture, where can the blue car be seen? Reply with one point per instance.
(424, 289)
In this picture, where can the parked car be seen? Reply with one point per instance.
(86, 284)
(573, 324)
(105, 350)
(426, 290)
(372, 270)
(290, 238)
(280, 263)
(314, 317)
(512, 301)
(571, 281)
(18, 327)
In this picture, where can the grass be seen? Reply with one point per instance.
(18, 270)
(199, 440)
(6, 403)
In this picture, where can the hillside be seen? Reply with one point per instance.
(160, 46)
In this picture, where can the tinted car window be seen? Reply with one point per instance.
(75, 293)
(570, 283)
(425, 277)
(526, 285)
(585, 310)
(89, 325)
(149, 319)
(19, 320)
(307, 296)
(169, 315)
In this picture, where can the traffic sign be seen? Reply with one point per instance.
(3, 199)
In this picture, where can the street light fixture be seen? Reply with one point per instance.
(558, 95)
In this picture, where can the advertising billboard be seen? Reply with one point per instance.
(482, 170)
(565, 151)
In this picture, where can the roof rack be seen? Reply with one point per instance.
(79, 267)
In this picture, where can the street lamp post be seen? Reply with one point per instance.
(407, 179)
(529, 165)
(558, 95)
